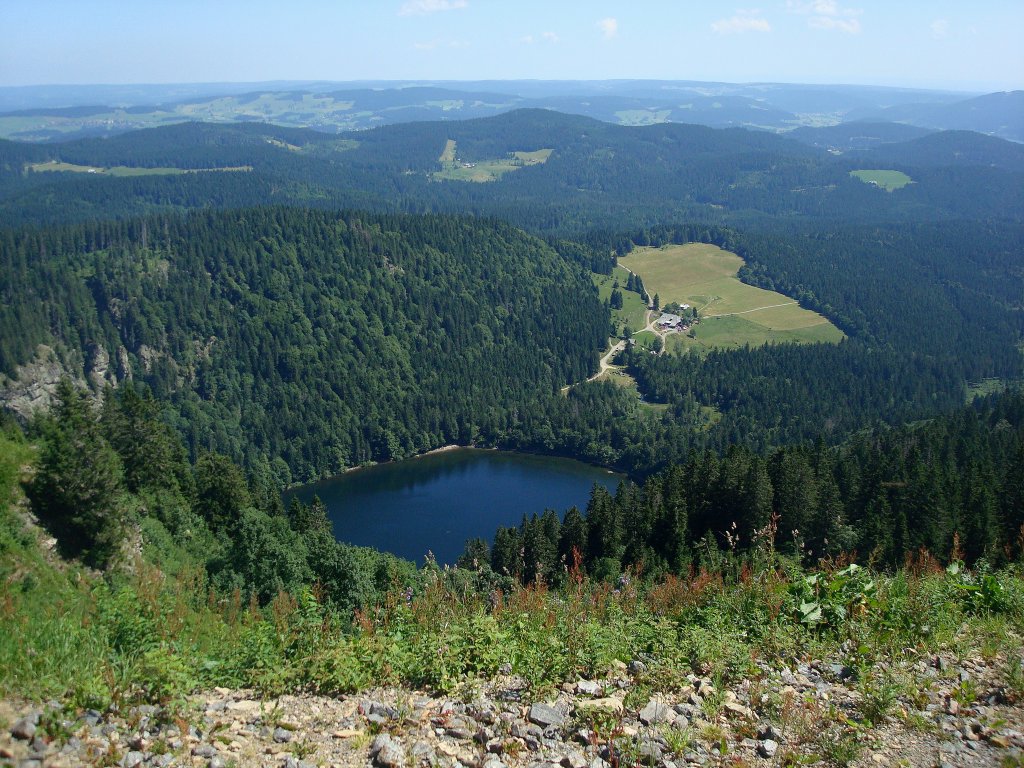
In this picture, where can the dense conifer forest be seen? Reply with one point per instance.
(299, 341)
(313, 340)
(216, 313)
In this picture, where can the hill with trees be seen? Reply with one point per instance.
(314, 340)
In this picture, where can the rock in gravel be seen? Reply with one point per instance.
(282, 735)
(609, 704)
(546, 716)
(588, 687)
(133, 759)
(768, 748)
(656, 712)
(737, 709)
(391, 755)
(380, 741)
(25, 728)
(204, 750)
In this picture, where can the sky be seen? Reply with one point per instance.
(942, 44)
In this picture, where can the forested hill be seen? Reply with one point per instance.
(320, 339)
(597, 175)
(952, 486)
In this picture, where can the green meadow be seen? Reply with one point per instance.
(634, 310)
(453, 169)
(887, 180)
(123, 170)
(733, 314)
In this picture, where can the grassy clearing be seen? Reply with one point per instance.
(448, 154)
(733, 313)
(991, 386)
(634, 310)
(284, 145)
(482, 171)
(887, 180)
(533, 158)
(124, 170)
(642, 116)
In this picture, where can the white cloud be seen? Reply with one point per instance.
(544, 37)
(609, 27)
(742, 21)
(422, 7)
(831, 22)
(827, 14)
(940, 29)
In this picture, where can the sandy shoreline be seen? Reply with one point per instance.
(442, 449)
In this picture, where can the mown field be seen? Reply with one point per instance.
(887, 180)
(123, 170)
(732, 313)
(453, 169)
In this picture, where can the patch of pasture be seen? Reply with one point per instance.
(887, 180)
(645, 339)
(453, 169)
(642, 116)
(448, 153)
(125, 170)
(488, 170)
(634, 310)
(733, 314)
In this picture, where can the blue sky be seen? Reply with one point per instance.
(940, 44)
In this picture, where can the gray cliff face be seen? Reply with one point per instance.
(35, 384)
(99, 372)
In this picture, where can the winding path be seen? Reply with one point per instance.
(755, 309)
(605, 364)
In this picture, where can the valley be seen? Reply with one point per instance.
(714, 430)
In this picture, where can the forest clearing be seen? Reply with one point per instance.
(732, 313)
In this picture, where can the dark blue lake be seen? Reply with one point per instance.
(438, 501)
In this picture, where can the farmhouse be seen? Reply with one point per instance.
(669, 321)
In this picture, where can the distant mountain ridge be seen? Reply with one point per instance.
(996, 114)
(594, 172)
(56, 113)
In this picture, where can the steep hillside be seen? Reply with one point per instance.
(323, 339)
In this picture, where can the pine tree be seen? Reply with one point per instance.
(76, 489)
(1012, 503)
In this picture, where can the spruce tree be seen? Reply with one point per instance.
(76, 489)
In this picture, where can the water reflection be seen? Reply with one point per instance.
(436, 502)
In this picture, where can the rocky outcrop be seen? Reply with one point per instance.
(100, 372)
(33, 387)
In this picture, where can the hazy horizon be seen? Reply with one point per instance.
(942, 45)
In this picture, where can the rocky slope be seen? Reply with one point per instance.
(939, 711)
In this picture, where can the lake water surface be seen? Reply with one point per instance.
(438, 501)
